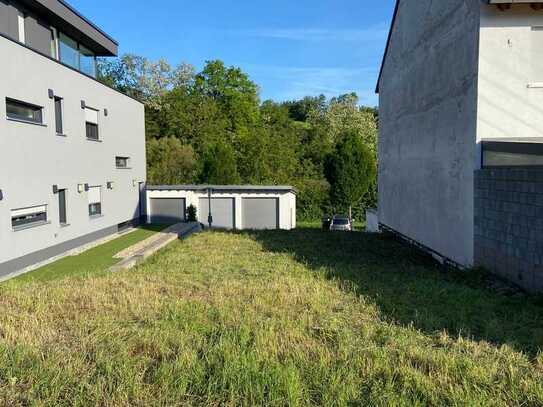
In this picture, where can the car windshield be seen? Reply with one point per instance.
(341, 221)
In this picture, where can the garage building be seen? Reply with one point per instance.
(232, 206)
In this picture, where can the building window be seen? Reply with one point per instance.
(512, 154)
(122, 162)
(91, 123)
(76, 55)
(63, 219)
(17, 110)
(87, 61)
(69, 52)
(58, 115)
(28, 217)
(95, 201)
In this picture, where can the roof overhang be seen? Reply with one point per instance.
(506, 4)
(224, 188)
(63, 16)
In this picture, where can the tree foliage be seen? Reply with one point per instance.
(350, 171)
(211, 127)
(169, 161)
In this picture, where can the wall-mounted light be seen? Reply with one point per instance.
(110, 185)
(134, 182)
(87, 187)
(50, 93)
(83, 104)
(55, 189)
(1, 195)
(105, 112)
(80, 188)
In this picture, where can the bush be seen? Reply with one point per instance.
(192, 214)
(313, 199)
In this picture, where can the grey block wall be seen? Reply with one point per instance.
(509, 224)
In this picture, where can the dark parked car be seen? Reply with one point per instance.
(326, 221)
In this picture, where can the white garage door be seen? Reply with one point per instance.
(222, 210)
(260, 213)
(167, 210)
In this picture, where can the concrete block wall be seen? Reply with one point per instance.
(509, 224)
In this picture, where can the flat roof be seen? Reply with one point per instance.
(68, 20)
(254, 188)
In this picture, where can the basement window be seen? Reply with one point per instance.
(512, 153)
(122, 162)
(28, 217)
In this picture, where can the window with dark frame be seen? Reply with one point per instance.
(58, 115)
(95, 201)
(122, 162)
(92, 131)
(62, 216)
(506, 153)
(22, 111)
(91, 123)
(27, 217)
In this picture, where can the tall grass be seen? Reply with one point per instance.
(256, 319)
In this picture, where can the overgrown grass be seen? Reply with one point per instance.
(271, 318)
(91, 262)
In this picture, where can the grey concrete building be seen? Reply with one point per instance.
(460, 93)
(72, 151)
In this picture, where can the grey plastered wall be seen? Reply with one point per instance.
(509, 224)
(8, 20)
(33, 158)
(427, 114)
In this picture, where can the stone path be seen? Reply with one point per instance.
(137, 253)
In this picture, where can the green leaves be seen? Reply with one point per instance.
(211, 127)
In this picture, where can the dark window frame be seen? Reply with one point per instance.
(122, 159)
(29, 220)
(95, 209)
(38, 119)
(59, 115)
(62, 207)
(94, 74)
(92, 131)
(522, 149)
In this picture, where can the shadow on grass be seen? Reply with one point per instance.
(412, 289)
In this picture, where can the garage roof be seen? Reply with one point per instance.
(218, 188)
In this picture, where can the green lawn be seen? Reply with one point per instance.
(94, 261)
(271, 318)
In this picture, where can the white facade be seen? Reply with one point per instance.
(36, 162)
(286, 201)
(510, 80)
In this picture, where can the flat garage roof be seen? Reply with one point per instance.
(226, 188)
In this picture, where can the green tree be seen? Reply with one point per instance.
(235, 93)
(219, 165)
(170, 162)
(350, 170)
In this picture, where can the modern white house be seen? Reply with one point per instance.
(72, 151)
(232, 207)
(461, 132)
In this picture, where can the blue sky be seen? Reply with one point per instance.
(291, 48)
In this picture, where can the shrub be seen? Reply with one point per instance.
(192, 214)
